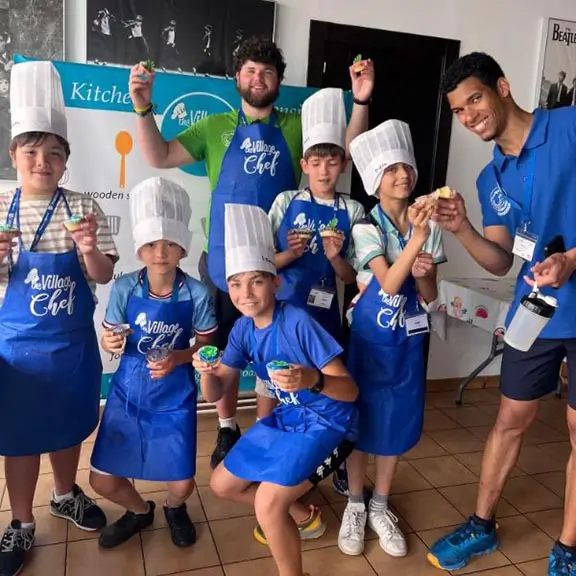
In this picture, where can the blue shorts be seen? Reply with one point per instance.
(534, 374)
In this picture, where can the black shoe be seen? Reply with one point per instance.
(125, 527)
(340, 481)
(182, 530)
(14, 547)
(226, 440)
(82, 511)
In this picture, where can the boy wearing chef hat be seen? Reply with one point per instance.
(398, 251)
(148, 429)
(50, 368)
(313, 428)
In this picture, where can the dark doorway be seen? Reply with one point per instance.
(409, 69)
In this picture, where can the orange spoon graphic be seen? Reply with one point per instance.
(123, 147)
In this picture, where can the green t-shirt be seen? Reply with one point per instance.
(209, 139)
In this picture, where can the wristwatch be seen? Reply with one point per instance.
(319, 386)
(362, 102)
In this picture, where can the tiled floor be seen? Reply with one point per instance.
(434, 489)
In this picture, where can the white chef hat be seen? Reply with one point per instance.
(248, 240)
(375, 150)
(324, 119)
(160, 210)
(37, 100)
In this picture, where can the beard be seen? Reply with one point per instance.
(262, 101)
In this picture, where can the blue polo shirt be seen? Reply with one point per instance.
(502, 189)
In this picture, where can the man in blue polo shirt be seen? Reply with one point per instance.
(528, 193)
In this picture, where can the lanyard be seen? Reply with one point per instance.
(146, 286)
(526, 205)
(243, 121)
(273, 337)
(385, 218)
(316, 218)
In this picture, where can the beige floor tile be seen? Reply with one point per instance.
(85, 455)
(235, 542)
(463, 498)
(331, 561)
(49, 560)
(162, 557)
(407, 479)
(444, 471)
(435, 420)
(446, 399)
(85, 558)
(473, 462)
(457, 441)
(490, 409)
(483, 397)
(49, 529)
(468, 416)
(219, 509)
(535, 568)
(425, 510)
(558, 450)
(203, 470)
(414, 564)
(555, 481)
(505, 571)
(263, 566)
(494, 560)
(206, 422)
(527, 495)
(540, 433)
(2, 489)
(216, 571)
(549, 521)
(426, 448)
(480, 432)
(206, 441)
(328, 493)
(41, 496)
(2, 471)
(522, 541)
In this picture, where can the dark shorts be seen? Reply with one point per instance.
(534, 374)
(332, 462)
(226, 313)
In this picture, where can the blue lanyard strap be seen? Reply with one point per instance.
(175, 288)
(526, 205)
(385, 218)
(273, 337)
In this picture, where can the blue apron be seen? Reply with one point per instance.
(148, 430)
(50, 367)
(312, 268)
(256, 167)
(287, 447)
(388, 366)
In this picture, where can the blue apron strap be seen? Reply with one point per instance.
(385, 218)
(316, 218)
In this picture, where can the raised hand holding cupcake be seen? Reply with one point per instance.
(84, 232)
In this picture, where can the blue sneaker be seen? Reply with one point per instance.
(561, 562)
(456, 549)
(340, 481)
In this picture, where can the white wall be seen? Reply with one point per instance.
(510, 30)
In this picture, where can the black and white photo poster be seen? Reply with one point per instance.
(557, 81)
(33, 28)
(199, 36)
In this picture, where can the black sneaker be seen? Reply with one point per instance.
(125, 527)
(14, 546)
(182, 530)
(82, 511)
(226, 440)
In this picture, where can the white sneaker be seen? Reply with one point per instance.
(385, 524)
(352, 529)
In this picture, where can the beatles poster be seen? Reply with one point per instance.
(199, 36)
(557, 78)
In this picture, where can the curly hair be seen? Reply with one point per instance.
(260, 50)
(476, 64)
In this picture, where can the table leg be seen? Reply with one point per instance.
(495, 351)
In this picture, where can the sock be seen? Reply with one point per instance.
(142, 513)
(354, 499)
(488, 525)
(566, 548)
(228, 422)
(378, 503)
(28, 525)
(59, 499)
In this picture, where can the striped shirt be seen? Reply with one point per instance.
(56, 239)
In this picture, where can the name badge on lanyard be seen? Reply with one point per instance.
(417, 322)
(524, 240)
(321, 296)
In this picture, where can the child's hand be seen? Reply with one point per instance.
(419, 216)
(332, 247)
(203, 367)
(163, 367)
(297, 244)
(7, 243)
(423, 265)
(86, 236)
(113, 343)
(295, 379)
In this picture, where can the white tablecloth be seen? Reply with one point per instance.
(482, 302)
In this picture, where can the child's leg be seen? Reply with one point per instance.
(182, 530)
(21, 478)
(356, 467)
(64, 465)
(380, 519)
(274, 507)
(265, 400)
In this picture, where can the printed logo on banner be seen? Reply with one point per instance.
(187, 110)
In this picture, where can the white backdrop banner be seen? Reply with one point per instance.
(106, 162)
